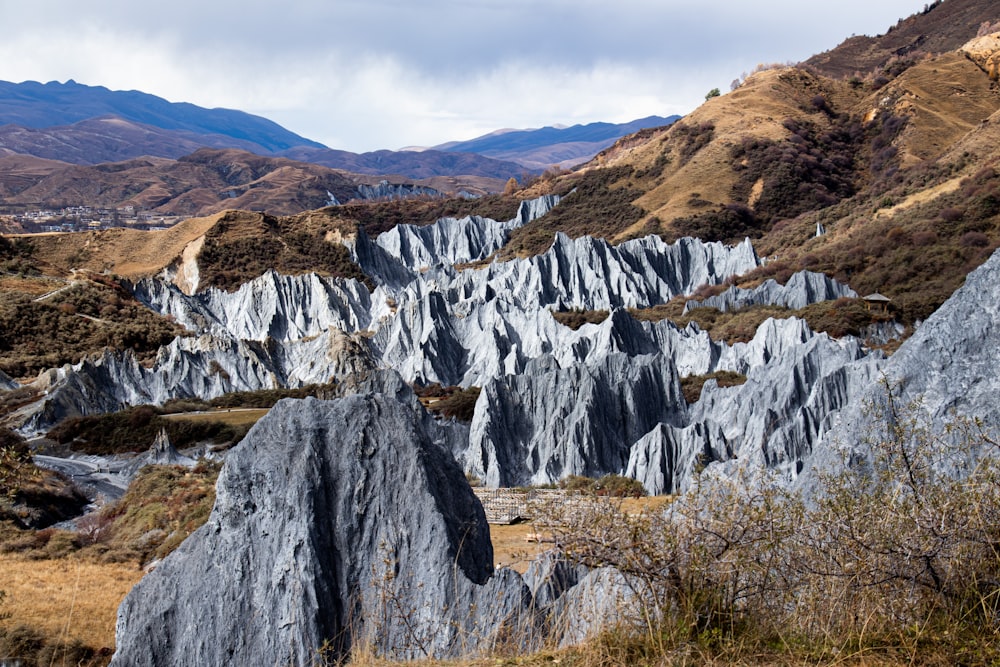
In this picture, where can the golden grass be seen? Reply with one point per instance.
(33, 286)
(233, 417)
(511, 545)
(66, 598)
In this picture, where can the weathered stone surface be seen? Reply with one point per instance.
(549, 422)
(802, 289)
(336, 524)
(455, 241)
(6, 383)
(946, 370)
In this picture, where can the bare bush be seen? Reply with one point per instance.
(899, 549)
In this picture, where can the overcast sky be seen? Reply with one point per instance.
(367, 74)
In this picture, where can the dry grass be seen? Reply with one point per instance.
(231, 417)
(516, 545)
(67, 598)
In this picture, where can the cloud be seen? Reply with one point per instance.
(366, 74)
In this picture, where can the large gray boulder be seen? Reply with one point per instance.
(337, 524)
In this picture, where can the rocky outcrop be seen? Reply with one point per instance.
(273, 306)
(554, 401)
(337, 524)
(6, 383)
(802, 289)
(384, 190)
(621, 411)
(946, 371)
(455, 241)
(548, 422)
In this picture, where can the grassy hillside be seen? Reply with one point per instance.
(901, 171)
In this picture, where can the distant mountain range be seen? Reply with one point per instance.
(89, 125)
(44, 105)
(548, 146)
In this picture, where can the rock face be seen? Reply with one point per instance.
(946, 370)
(802, 289)
(336, 524)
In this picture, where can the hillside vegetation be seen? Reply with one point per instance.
(899, 168)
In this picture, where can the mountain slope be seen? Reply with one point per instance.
(111, 139)
(425, 164)
(900, 173)
(37, 105)
(941, 27)
(205, 182)
(544, 147)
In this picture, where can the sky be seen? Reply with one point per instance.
(363, 75)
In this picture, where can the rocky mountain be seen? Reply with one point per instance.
(425, 164)
(939, 28)
(553, 146)
(903, 151)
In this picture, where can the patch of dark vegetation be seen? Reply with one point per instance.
(162, 507)
(242, 246)
(574, 319)
(378, 217)
(16, 255)
(134, 429)
(29, 646)
(32, 497)
(692, 385)
(449, 402)
(812, 169)
(597, 203)
(76, 322)
(841, 317)
(730, 223)
(918, 257)
(614, 486)
(691, 138)
(262, 398)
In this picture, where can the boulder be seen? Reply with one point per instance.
(338, 524)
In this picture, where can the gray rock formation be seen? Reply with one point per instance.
(548, 422)
(455, 241)
(7, 383)
(384, 190)
(602, 399)
(337, 524)
(946, 370)
(802, 289)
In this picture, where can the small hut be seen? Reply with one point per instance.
(879, 302)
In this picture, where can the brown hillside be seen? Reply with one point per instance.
(901, 173)
(941, 27)
(203, 183)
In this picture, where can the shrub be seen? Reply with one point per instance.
(574, 319)
(894, 554)
(974, 240)
(691, 385)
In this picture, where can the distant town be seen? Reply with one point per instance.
(27, 220)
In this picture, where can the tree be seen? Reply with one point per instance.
(712, 93)
(511, 187)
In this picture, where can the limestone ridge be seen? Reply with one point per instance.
(802, 289)
(621, 411)
(490, 327)
(946, 370)
(333, 520)
(456, 241)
